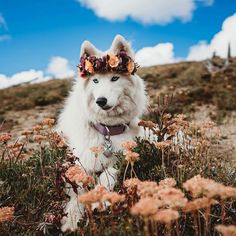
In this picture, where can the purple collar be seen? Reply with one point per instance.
(109, 130)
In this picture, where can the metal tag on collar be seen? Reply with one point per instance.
(108, 149)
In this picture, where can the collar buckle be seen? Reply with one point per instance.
(108, 149)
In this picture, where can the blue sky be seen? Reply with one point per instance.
(36, 31)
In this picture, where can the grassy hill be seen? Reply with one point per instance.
(192, 85)
(34, 162)
(190, 82)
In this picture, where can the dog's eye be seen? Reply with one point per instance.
(115, 78)
(95, 81)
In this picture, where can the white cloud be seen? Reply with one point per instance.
(3, 22)
(207, 2)
(30, 76)
(3, 81)
(218, 44)
(162, 53)
(3, 25)
(4, 37)
(59, 68)
(147, 12)
(27, 76)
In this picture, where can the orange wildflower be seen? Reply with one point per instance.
(228, 192)
(172, 197)
(130, 66)
(93, 196)
(194, 185)
(166, 116)
(146, 206)
(147, 189)
(97, 150)
(129, 145)
(89, 67)
(131, 183)
(209, 188)
(131, 157)
(199, 203)
(163, 144)
(6, 213)
(77, 174)
(165, 216)
(113, 197)
(113, 61)
(168, 182)
(57, 139)
(37, 128)
(147, 124)
(26, 132)
(226, 230)
(4, 137)
(49, 122)
(39, 138)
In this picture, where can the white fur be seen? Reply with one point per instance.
(128, 100)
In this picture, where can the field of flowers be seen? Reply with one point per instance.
(169, 184)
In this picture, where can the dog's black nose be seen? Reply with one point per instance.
(101, 101)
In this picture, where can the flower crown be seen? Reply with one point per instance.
(120, 63)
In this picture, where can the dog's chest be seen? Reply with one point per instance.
(89, 160)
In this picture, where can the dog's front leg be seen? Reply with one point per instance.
(108, 179)
(73, 209)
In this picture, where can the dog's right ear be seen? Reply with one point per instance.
(119, 43)
(88, 48)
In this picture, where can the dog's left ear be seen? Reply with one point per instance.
(119, 43)
(88, 48)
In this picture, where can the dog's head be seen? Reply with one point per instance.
(112, 98)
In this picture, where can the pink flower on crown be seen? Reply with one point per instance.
(113, 61)
(89, 67)
(130, 66)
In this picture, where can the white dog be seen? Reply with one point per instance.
(102, 109)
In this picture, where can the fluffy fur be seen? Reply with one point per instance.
(127, 100)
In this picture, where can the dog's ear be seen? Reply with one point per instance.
(119, 43)
(88, 48)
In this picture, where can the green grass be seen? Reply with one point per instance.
(28, 96)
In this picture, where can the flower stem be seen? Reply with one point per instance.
(126, 168)
(168, 229)
(146, 231)
(195, 222)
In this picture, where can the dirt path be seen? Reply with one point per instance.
(17, 121)
(227, 146)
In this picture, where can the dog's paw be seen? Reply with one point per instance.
(74, 213)
(69, 222)
(100, 206)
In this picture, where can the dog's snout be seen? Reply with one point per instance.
(101, 101)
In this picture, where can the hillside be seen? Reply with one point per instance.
(180, 188)
(201, 92)
(193, 85)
